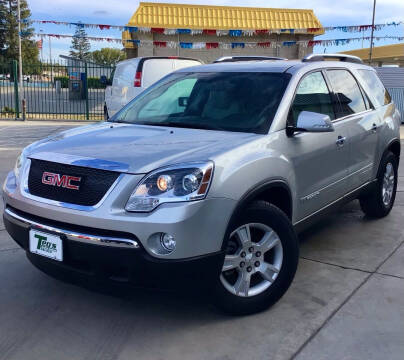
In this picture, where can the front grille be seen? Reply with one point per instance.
(93, 184)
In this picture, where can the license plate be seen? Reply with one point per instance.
(45, 244)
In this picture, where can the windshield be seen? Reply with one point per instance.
(245, 102)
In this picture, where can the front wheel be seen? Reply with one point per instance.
(261, 260)
(380, 202)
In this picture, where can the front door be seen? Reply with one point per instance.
(320, 159)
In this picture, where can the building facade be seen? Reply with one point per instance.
(209, 32)
(381, 55)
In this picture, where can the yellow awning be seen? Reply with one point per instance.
(181, 16)
(388, 53)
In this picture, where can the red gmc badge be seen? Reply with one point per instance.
(64, 181)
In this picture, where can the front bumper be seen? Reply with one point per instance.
(197, 226)
(91, 256)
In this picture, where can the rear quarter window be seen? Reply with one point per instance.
(375, 87)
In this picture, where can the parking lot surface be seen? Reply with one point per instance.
(346, 302)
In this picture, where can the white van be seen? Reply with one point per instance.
(132, 76)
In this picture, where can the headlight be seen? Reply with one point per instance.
(185, 182)
(19, 164)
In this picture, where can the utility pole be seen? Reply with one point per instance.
(371, 35)
(21, 79)
(41, 32)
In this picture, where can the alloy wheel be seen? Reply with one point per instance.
(253, 260)
(388, 184)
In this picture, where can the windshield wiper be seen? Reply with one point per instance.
(186, 125)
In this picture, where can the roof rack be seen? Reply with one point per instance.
(340, 57)
(246, 58)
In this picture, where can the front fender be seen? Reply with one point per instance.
(243, 169)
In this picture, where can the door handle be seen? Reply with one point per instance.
(374, 128)
(340, 141)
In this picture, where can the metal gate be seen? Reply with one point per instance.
(397, 94)
(8, 93)
(72, 90)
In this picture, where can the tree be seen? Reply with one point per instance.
(108, 56)
(3, 29)
(9, 33)
(80, 48)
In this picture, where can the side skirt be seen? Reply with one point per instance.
(308, 221)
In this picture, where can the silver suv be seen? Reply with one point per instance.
(205, 178)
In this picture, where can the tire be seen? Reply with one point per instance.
(374, 204)
(260, 218)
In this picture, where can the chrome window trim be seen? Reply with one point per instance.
(353, 115)
(82, 237)
(25, 192)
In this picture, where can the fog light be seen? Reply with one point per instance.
(167, 242)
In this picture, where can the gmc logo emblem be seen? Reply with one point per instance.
(64, 181)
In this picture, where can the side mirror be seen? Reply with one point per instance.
(313, 122)
(183, 101)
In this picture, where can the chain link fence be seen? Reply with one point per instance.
(71, 90)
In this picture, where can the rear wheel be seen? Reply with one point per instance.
(260, 262)
(380, 202)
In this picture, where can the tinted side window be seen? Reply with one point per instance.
(348, 92)
(375, 86)
(312, 95)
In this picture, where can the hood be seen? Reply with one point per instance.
(135, 149)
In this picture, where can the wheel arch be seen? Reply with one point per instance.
(393, 146)
(276, 192)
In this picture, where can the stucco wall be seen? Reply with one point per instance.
(208, 55)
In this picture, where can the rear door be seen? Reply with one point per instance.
(155, 69)
(320, 159)
(355, 109)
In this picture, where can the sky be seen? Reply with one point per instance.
(118, 12)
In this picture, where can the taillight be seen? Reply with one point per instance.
(138, 79)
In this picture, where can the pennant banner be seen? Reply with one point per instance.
(218, 32)
(230, 45)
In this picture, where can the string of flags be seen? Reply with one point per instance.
(229, 45)
(218, 32)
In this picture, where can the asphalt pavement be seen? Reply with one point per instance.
(346, 303)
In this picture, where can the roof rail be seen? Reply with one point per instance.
(340, 57)
(236, 58)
